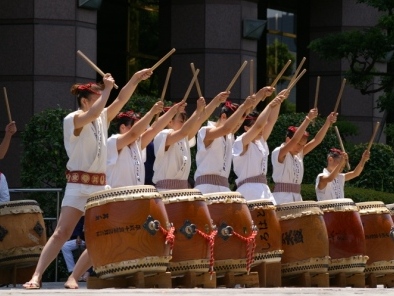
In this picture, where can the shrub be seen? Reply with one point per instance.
(378, 172)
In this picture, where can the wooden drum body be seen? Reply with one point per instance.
(345, 235)
(22, 233)
(304, 238)
(268, 239)
(188, 212)
(236, 232)
(377, 223)
(126, 230)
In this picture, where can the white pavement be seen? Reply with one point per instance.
(56, 288)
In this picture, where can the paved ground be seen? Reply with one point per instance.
(56, 288)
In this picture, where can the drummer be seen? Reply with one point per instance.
(85, 140)
(126, 150)
(10, 130)
(172, 145)
(214, 144)
(250, 150)
(330, 184)
(288, 159)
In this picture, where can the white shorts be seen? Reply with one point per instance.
(76, 198)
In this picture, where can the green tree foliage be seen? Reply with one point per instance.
(364, 49)
(44, 158)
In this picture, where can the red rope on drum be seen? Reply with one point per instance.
(170, 237)
(250, 247)
(211, 241)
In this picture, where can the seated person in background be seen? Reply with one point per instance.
(76, 241)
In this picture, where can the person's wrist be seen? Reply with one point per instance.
(307, 118)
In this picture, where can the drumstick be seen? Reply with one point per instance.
(339, 95)
(236, 76)
(163, 93)
(91, 64)
(295, 81)
(162, 59)
(316, 96)
(6, 104)
(280, 73)
(373, 135)
(190, 85)
(251, 78)
(197, 83)
(297, 70)
(341, 144)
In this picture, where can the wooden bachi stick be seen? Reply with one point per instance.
(236, 76)
(190, 85)
(373, 135)
(163, 93)
(251, 91)
(91, 64)
(341, 144)
(273, 84)
(339, 95)
(295, 80)
(297, 70)
(197, 83)
(162, 59)
(7, 105)
(316, 97)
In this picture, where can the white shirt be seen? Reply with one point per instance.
(4, 192)
(214, 159)
(290, 171)
(252, 163)
(333, 190)
(125, 167)
(174, 163)
(88, 151)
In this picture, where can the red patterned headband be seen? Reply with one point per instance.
(129, 114)
(230, 105)
(335, 151)
(293, 129)
(88, 87)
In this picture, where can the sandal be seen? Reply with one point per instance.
(32, 285)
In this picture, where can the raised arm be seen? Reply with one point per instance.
(359, 168)
(273, 117)
(183, 132)
(287, 147)
(208, 110)
(325, 179)
(161, 123)
(331, 118)
(230, 123)
(86, 117)
(10, 129)
(126, 92)
(139, 127)
(261, 121)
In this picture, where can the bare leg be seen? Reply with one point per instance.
(80, 268)
(67, 221)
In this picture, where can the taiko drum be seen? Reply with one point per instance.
(304, 238)
(377, 223)
(268, 239)
(345, 236)
(22, 233)
(126, 230)
(236, 232)
(194, 234)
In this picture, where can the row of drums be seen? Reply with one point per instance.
(137, 228)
